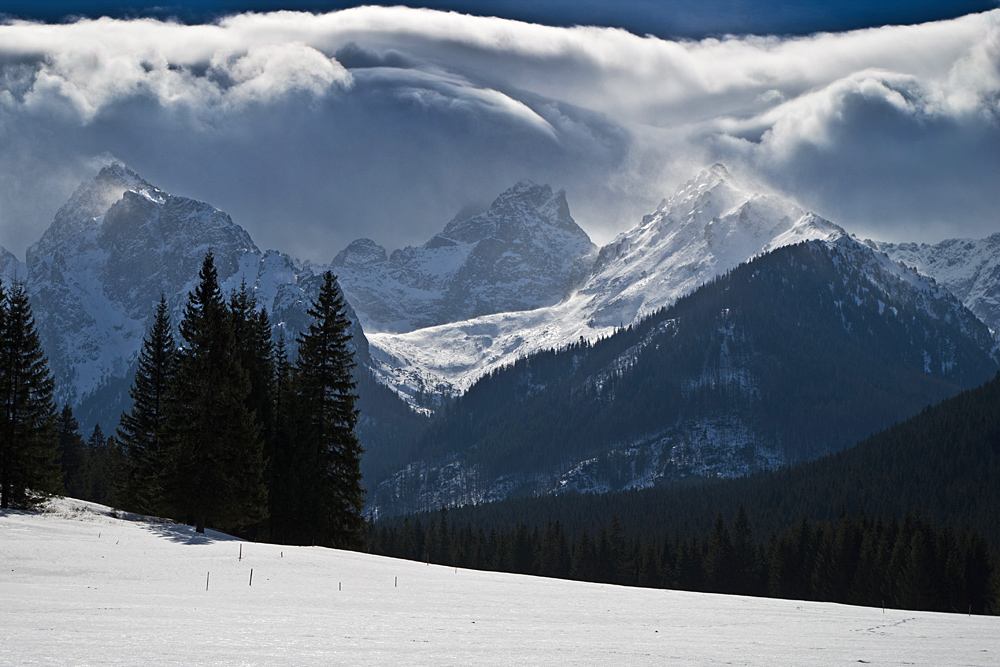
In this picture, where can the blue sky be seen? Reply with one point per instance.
(315, 129)
(665, 18)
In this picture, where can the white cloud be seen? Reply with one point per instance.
(433, 109)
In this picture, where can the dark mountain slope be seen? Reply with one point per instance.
(943, 463)
(798, 353)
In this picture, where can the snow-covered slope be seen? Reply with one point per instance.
(805, 350)
(525, 252)
(80, 587)
(969, 268)
(709, 226)
(97, 273)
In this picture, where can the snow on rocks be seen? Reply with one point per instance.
(709, 226)
(524, 252)
(98, 271)
(969, 268)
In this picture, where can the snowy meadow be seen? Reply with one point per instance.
(82, 587)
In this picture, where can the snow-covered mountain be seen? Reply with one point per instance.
(525, 252)
(98, 271)
(803, 351)
(970, 268)
(709, 226)
(517, 279)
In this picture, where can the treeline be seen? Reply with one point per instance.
(943, 462)
(224, 430)
(88, 467)
(908, 517)
(772, 345)
(905, 563)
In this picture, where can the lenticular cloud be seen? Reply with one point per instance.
(314, 130)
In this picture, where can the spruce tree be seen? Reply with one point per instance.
(255, 354)
(327, 455)
(73, 458)
(28, 437)
(280, 479)
(100, 473)
(213, 441)
(140, 431)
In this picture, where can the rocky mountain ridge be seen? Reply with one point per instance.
(802, 351)
(98, 271)
(119, 242)
(524, 252)
(970, 268)
(709, 226)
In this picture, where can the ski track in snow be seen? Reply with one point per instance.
(79, 587)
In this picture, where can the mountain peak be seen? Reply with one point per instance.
(706, 180)
(94, 197)
(524, 206)
(89, 202)
(522, 253)
(361, 252)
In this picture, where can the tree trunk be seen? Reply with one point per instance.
(200, 527)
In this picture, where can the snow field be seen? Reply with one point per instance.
(79, 587)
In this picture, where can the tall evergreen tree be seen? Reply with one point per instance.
(281, 488)
(73, 458)
(28, 436)
(255, 354)
(327, 455)
(215, 454)
(140, 432)
(100, 473)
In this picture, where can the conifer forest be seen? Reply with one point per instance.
(224, 430)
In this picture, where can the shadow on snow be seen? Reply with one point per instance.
(186, 534)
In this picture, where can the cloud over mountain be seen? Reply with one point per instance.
(314, 130)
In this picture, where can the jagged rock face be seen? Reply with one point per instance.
(525, 252)
(709, 226)
(11, 268)
(87, 205)
(804, 351)
(97, 274)
(706, 228)
(969, 268)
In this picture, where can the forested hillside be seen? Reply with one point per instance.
(908, 517)
(801, 352)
